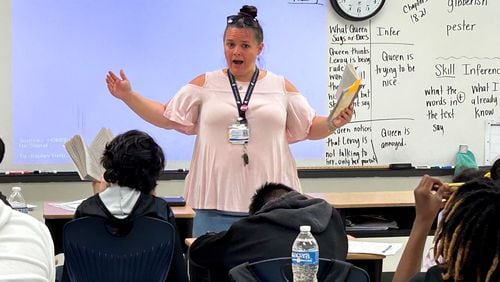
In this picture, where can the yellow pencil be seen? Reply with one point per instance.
(454, 186)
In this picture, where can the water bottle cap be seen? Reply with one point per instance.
(16, 189)
(463, 148)
(305, 228)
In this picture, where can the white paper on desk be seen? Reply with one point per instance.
(70, 206)
(363, 247)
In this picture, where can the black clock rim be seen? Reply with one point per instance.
(346, 16)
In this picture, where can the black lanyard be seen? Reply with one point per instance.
(242, 106)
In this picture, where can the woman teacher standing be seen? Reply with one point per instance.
(244, 119)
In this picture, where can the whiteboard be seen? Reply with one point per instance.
(53, 83)
(430, 70)
(431, 79)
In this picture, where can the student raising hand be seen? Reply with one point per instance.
(429, 195)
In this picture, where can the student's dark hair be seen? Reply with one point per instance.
(133, 159)
(266, 193)
(468, 237)
(469, 174)
(246, 18)
(2, 153)
(495, 170)
(2, 150)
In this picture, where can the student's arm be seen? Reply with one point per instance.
(149, 110)
(427, 204)
(204, 247)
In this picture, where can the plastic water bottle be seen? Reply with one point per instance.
(305, 256)
(17, 201)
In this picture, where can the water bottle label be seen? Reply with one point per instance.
(305, 257)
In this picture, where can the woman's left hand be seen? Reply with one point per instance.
(344, 117)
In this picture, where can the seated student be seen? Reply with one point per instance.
(276, 213)
(26, 247)
(467, 239)
(495, 170)
(466, 175)
(133, 162)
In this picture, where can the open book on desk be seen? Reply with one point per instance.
(69, 206)
(87, 159)
(347, 91)
(378, 248)
(369, 223)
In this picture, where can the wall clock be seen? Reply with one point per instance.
(357, 10)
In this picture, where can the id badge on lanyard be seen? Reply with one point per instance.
(238, 133)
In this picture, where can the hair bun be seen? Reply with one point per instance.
(111, 175)
(248, 10)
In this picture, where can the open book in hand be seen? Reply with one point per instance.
(348, 89)
(87, 159)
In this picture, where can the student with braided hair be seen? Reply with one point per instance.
(495, 170)
(466, 175)
(467, 238)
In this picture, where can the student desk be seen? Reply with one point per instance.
(372, 263)
(55, 218)
(396, 205)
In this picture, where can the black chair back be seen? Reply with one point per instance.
(280, 269)
(96, 251)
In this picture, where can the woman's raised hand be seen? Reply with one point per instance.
(119, 87)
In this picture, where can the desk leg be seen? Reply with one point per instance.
(373, 267)
(55, 227)
(185, 230)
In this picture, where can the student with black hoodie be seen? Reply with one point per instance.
(276, 213)
(133, 162)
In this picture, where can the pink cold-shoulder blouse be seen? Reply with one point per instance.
(218, 178)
